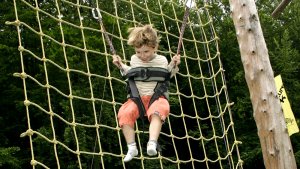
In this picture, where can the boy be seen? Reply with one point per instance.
(146, 72)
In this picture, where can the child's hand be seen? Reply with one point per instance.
(176, 60)
(117, 61)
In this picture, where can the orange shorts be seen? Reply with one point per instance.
(129, 112)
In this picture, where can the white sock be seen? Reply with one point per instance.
(132, 152)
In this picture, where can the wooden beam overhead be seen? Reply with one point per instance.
(280, 8)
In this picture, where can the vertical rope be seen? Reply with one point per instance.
(98, 16)
(182, 29)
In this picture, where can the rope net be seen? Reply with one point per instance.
(73, 92)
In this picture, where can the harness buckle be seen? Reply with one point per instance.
(145, 74)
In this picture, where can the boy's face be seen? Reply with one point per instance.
(145, 53)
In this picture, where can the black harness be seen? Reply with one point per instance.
(147, 74)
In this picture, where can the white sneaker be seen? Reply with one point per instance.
(151, 148)
(132, 152)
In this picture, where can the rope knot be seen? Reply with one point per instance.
(28, 132)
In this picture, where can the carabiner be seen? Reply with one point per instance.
(98, 12)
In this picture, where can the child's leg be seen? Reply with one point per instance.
(127, 116)
(155, 127)
(154, 130)
(128, 133)
(157, 113)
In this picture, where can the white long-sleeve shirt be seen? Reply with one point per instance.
(147, 88)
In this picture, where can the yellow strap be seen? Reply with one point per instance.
(287, 110)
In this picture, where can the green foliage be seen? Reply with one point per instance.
(8, 158)
(286, 61)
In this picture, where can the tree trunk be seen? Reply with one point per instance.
(274, 139)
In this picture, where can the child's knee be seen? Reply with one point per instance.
(127, 116)
(162, 116)
(161, 108)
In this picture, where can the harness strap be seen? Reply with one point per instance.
(148, 74)
(160, 90)
(135, 96)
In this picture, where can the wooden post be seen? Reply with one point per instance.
(274, 139)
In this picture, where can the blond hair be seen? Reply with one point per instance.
(143, 35)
